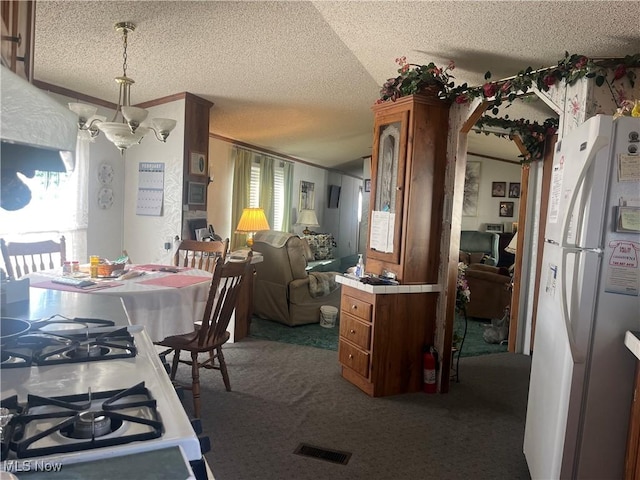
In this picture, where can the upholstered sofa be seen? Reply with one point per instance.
(284, 291)
(479, 247)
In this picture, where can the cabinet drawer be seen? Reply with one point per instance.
(354, 358)
(355, 307)
(355, 331)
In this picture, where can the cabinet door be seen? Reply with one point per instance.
(17, 36)
(388, 163)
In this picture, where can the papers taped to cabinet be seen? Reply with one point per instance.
(382, 231)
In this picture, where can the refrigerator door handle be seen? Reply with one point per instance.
(576, 354)
(598, 144)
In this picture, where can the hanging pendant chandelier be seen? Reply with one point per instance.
(126, 128)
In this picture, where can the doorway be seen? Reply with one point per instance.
(507, 150)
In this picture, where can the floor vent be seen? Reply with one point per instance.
(334, 456)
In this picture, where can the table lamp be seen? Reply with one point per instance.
(512, 247)
(252, 220)
(308, 218)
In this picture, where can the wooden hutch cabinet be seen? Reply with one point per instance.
(383, 329)
(407, 188)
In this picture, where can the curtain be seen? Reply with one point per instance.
(241, 183)
(288, 195)
(266, 187)
(75, 222)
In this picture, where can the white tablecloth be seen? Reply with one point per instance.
(162, 310)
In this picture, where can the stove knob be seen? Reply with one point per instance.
(196, 424)
(205, 444)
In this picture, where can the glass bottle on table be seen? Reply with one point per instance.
(94, 260)
(360, 267)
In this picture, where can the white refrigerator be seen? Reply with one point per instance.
(582, 375)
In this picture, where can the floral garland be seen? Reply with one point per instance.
(533, 134)
(414, 79)
(570, 69)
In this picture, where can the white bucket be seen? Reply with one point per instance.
(328, 315)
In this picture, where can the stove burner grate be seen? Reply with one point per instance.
(41, 348)
(60, 322)
(9, 409)
(15, 358)
(105, 346)
(84, 351)
(85, 421)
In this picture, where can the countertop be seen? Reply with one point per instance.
(44, 303)
(388, 289)
(632, 342)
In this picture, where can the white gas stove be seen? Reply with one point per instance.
(74, 393)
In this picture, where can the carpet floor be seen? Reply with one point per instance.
(285, 394)
(313, 335)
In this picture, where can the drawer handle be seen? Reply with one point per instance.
(350, 356)
(354, 307)
(352, 331)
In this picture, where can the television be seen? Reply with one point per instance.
(334, 196)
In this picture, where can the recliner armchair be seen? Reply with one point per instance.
(475, 245)
(490, 289)
(284, 290)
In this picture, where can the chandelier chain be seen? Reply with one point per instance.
(124, 53)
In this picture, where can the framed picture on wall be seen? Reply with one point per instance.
(514, 190)
(197, 193)
(471, 189)
(307, 196)
(197, 164)
(494, 227)
(498, 189)
(367, 185)
(506, 209)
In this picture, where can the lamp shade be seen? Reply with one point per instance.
(252, 220)
(308, 218)
(511, 248)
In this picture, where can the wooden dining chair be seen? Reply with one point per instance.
(210, 334)
(200, 255)
(22, 258)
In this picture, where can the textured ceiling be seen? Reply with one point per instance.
(299, 78)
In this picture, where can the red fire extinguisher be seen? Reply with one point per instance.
(429, 371)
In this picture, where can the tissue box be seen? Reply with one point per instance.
(14, 291)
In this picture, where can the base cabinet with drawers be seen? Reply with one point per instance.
(381, 339)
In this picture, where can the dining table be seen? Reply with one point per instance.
(165, 300)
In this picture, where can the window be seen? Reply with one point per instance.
(254, 189)
(278, 192)
(58, 206)
(44, 213)
(261, 181)
(278, 196)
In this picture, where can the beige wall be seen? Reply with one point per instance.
(488, 206)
